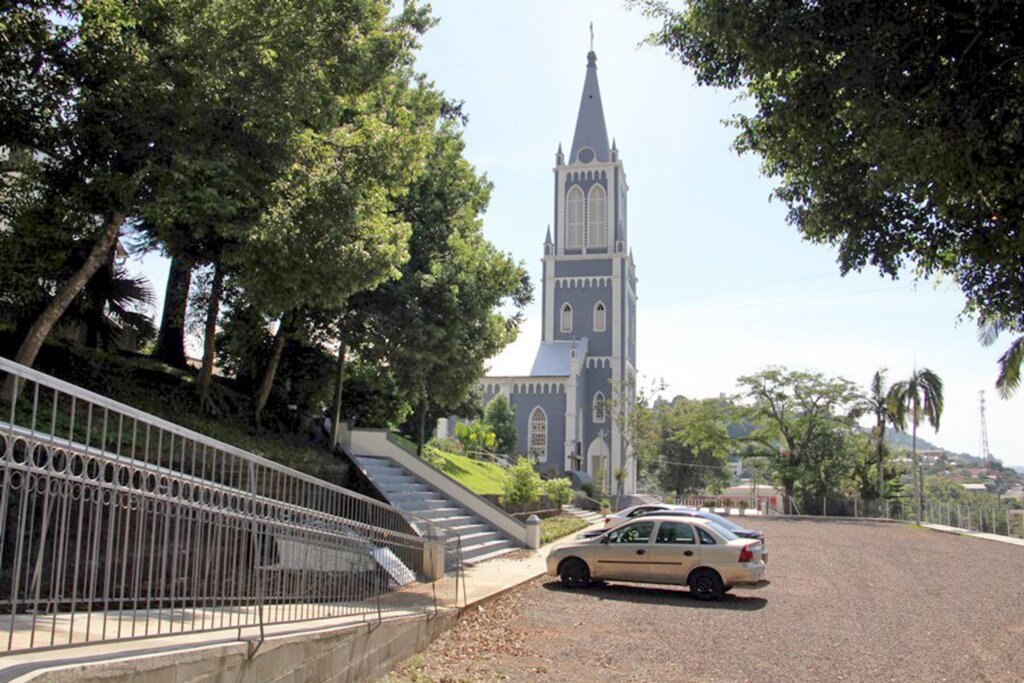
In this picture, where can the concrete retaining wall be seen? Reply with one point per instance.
(353, 653)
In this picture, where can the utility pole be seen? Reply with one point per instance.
(984, 430)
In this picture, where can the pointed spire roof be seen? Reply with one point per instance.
(547, 240)
(590, 128)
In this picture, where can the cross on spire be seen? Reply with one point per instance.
(591, 36)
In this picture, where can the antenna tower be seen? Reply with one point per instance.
(984, 429)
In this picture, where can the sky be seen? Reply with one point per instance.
(726, 286)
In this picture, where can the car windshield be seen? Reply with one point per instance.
(721, 530)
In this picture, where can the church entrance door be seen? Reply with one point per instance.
(597, 458)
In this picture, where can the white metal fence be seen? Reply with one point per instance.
(117, 524)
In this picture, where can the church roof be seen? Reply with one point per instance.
(590, 129)
(554, 357)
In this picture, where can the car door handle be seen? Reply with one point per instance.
(640, 552)
(688, 553)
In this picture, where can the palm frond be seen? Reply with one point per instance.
(989, 329)
(1009, 368)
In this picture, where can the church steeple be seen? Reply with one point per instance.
(591, 131)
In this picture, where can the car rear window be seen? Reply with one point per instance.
(721, 530)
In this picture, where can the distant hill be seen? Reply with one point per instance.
(898, 439)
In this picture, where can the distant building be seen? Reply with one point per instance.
(981, 488)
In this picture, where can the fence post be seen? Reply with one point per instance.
(855, 508)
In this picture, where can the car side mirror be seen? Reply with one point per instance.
(604, 540)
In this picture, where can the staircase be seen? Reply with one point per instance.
(480, 540)
(588, 516)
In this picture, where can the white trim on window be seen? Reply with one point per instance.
(600, 317)
(597, 219)
(574, 204)
(565, 322)
(600, 410)
(538, 441)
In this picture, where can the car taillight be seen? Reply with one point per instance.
(745, 554)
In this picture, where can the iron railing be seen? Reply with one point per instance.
(117, 524)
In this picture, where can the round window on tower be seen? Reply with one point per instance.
(586, 155)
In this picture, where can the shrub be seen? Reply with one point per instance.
(559, 491)
(522, 484)
(446, 444)
(475, 436)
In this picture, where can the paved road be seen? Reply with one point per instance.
(848, 601)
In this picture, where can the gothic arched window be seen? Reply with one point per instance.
(538, 434)
(599, 407)
(566, 323)
(597, 223)
(600, 317)
(574, 218)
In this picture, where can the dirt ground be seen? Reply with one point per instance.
(849, 601)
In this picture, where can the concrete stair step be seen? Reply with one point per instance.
(438, 513)
(488, 552)
(477, 538)
(464, 529)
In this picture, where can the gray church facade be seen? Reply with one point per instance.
(586, 362)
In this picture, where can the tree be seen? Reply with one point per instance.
(502, 419)
(1010, 362)
(878, 402)
(892, 128)
(795, 413)
(627, 410)
(918, 398)
(695, 445)
(437, 324)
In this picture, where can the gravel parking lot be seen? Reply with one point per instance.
(849, 600)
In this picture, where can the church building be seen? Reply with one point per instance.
(584, 372)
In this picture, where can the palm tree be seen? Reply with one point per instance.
(878, 402)
(1010, 362)
(919, 398)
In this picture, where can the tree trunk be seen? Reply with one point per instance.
(170, 340)
(210, 338)
(919, 489)
(339, 385)
(267, 382)
(880, 447)
(44, 324)
(421, 426)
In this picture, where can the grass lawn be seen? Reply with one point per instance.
(482, 478)
(554, 528)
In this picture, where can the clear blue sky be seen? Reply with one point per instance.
(726, 285)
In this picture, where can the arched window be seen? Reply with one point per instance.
(566, 322)
(574, 218)
(599, 409)
(539, 434)
(600, 317)
(597, 223)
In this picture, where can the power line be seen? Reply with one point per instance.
(745, 288)
(791, 302)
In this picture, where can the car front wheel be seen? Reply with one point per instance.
(706, 584)
(574, 574)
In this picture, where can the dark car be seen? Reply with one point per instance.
(732, 526)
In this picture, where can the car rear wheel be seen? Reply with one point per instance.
(574, 574)
(706, 584)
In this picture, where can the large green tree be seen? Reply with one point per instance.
(801, 415)
(436, 325)
(892, 128)
(695, 445)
